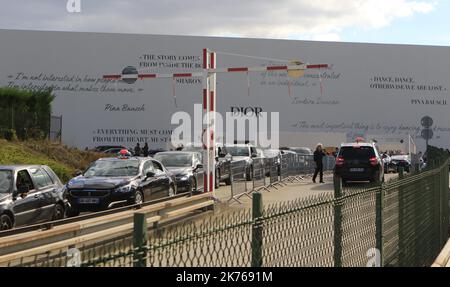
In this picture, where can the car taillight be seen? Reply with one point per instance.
(373, 161)
(339, 161)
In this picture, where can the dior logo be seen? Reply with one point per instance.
(247, 111)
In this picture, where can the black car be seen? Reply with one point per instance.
(116, 151)
(359, 162)
(186, 167)
(29, 194)
(104, 148)
(114, 182)
(244, 152)
(222, 165)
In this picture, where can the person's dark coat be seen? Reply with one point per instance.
(318, 157)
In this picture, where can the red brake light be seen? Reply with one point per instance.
(373, 161)
(339, 161)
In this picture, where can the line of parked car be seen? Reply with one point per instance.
(31, 194)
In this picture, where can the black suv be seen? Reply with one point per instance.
(113, 182)
(359, 162)
(29, 194)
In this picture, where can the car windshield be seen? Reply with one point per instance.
(238, 151)
(5, 181)
(175, 160)
(116, 168)
(359, 153)
(271, 153)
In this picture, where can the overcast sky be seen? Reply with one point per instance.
(379, 21)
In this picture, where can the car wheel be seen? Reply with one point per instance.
(375, 180)
(72, 212)
(217, 183)
(138, 197)
(5, 222)
(171, 190)
(193, 186)
(58, 212)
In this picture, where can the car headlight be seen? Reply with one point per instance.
(125, 189)
(183, 178)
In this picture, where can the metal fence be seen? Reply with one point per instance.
(403, 222)
(29, 125)
(238, 174)
(272, 172)
(55, 130)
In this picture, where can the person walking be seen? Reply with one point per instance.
(318, 159)
(137, 150)
(145, 150)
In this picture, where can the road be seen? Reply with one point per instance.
(291, 191)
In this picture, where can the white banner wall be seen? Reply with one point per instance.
(370, 89)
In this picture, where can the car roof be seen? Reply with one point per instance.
(299, 147)
(20, 166)
(178, 152)
(357, 144)
(121, 159)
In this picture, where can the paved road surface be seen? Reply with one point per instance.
(292, 191)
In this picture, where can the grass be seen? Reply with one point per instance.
(64, 160)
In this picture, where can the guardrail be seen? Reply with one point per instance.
(99, 228)
(50, 224)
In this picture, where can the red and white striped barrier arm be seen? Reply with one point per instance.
(224, 70)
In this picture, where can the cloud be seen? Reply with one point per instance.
(306, 19)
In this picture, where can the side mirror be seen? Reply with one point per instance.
(199, 166)
(222, 154)
(78, 173)
(254, 155)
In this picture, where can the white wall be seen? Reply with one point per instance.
(370, 89)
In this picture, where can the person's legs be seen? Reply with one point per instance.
(321, 173)
(315, 173)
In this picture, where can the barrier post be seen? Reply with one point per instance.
(337, 221)
(379, 222)
(231, 180)
(401, 222)
(140, 239)
(257, 230)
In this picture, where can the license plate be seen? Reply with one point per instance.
(356, 169)
(88, 200)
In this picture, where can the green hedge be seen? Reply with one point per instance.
(26, 112)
